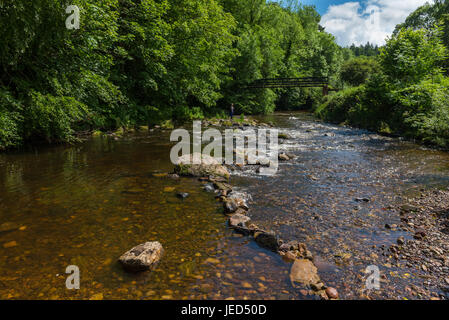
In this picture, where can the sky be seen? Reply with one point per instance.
(361, 21)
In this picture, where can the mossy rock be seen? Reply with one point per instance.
(97, 133)
(119, 132)
(168, 124)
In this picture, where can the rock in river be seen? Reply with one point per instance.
(230, 206)
(182, 195)
(240, 198)
(222, 186)
(267, 240)
(142, 257)
(238, 220)
(236, 201)
(332, 293)
(304, 271)
(8, 226)
(209, 188)
(207, 166)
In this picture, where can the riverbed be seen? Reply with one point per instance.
(86, 204)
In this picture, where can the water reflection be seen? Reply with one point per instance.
(89, 203)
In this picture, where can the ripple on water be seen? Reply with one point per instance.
(87, 204)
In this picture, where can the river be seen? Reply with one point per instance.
(86, 204)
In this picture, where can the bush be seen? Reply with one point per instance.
(53, 118)
(356, 71)
(188, 114)
(376, 107)
(411, 56)
(336, 106)
(105, 100)
(425, 110)
(10, 120)
(9, 130)
(299, 99)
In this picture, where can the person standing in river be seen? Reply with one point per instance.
(231, 112)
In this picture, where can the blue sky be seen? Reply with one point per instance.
(322, 5)
(360, 21)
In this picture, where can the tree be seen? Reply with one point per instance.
(357, 70)
(412, 56)
(136, 62)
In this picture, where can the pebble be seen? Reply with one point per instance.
(182, 195)
(98, 296)
(211, 260)
(10, 244)
(332, 293)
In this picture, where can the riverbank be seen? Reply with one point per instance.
(394, 113)
(426, 219)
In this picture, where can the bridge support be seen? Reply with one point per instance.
(325, 90)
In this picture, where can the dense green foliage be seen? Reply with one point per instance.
(426, 16)
(336, 107)
(409, 93)
(356, 71)
(367, 50)
(138, 62)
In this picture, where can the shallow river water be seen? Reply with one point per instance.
(86, 204)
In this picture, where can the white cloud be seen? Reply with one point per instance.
(367, 20)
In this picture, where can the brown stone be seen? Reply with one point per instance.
(283, 157)
(289, 256)
(267, 240)
(230, 206)
(332, 293)
(304, 271)
(142, 257)
(207, 166)
(238, 220)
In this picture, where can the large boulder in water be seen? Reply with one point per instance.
(237, 200)
(304, 272)
(208, 166)
(142, 257)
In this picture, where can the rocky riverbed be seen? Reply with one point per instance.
(426, 217)
(342, 200)
(339, 192)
